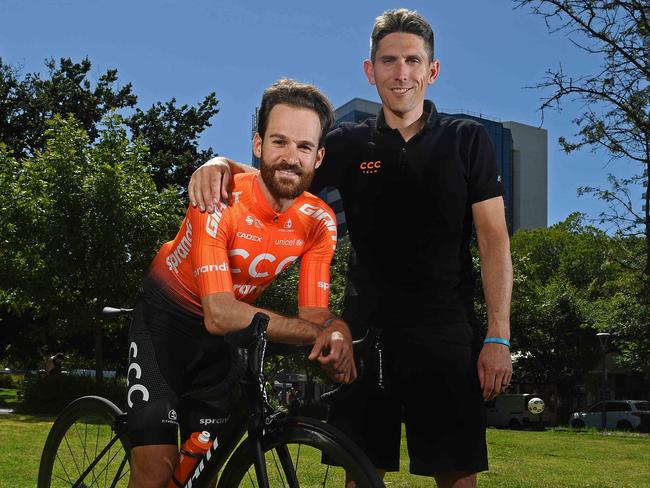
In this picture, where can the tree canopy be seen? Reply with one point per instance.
(571, 281)
(170, 132)
(80, 222)
(614, 100)
(90, 186)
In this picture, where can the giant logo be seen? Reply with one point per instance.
(212, 224)
(320, 214)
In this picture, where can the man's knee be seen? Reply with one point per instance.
(152, 466)
(455, 479)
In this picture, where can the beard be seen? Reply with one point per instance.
(281, 187)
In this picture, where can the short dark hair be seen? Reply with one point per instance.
(296, 94)
(401, 20)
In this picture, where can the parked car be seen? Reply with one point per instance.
(511, 411)
(621, 414)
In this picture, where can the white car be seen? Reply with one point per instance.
(621, 414)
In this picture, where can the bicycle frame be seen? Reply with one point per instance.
(251, 414)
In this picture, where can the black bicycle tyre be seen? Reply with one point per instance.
(308, 432)
(103, 413)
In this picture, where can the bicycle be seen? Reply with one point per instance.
(88, 444)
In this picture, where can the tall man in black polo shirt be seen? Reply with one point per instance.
(413, 182)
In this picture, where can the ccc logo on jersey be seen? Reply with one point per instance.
(369, 167)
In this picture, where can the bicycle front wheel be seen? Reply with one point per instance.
(86, 447)
(293, 453)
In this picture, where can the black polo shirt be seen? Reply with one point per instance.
(408, 211)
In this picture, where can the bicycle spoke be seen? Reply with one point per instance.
(287, 465)
(277, 468)
(327, 470)
(82, 440)
(71, 455)
(105, 468)
(295, 468)
(119, 475)
(296, 465)
(78, 451)
(250, 478)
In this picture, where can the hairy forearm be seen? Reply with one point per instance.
(235, 166)
(496, 274)
(225, 314)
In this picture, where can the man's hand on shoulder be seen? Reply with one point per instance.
(333, 350)
(209, 184)
(212, 182)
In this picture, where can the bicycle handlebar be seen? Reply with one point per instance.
(362, 349)
(111, 312)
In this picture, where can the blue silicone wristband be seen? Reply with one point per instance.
(328, 322)
(496, 340)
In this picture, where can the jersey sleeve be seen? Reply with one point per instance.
(209, 256)
(484, 175)
(314, 281)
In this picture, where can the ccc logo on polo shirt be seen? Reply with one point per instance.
(369, 167)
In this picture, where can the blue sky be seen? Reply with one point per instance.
(489, 53)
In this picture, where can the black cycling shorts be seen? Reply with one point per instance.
(170, 354)
(431, 384)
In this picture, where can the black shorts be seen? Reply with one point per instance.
(432, 386)
(170, 354)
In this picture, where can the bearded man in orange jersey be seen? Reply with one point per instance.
(201, 285)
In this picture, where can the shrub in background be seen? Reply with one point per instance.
(50, 394)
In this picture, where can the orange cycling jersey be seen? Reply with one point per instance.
(244, 245)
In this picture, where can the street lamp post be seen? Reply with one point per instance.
(603, 338)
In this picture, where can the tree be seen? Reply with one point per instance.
(171, 133)
(614, 100)
(80, 223)
(27, 104)
(558, 271)
(571, 281)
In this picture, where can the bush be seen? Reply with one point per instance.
(50, 394)
(10, 380)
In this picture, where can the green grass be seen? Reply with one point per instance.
(22, 438)
(555, 459)
(518, 459)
